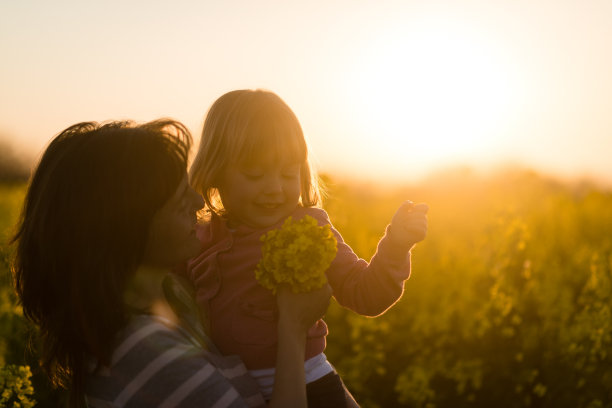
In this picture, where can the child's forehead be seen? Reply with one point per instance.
(281, 152)
(268, 159)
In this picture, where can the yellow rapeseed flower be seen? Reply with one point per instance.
(298, 254)
(16, 387)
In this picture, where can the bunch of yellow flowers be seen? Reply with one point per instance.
(298, 254)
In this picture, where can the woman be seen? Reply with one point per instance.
(108, 211)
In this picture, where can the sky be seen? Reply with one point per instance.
(384, 90)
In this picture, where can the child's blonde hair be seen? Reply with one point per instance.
(242, 126)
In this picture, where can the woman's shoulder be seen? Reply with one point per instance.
(149, 334)
(143, 340)
(150, 365)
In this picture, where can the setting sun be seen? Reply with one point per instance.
(441, 91)
(409, 86)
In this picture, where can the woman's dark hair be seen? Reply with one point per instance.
(83, 231)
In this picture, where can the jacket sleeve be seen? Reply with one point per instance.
(367, 288)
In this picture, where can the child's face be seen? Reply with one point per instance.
(260, 194)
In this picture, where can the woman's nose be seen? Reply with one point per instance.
(197, 200)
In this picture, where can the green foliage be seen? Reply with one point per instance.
(508, 304)
(15, 387)
(11, 320)
(16, 359)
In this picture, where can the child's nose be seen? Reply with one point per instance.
(273, 184)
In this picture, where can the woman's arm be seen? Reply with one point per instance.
(297, 313)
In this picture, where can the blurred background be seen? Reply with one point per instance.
(385, 90)
(496, 113)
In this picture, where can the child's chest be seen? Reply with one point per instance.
(227, 266)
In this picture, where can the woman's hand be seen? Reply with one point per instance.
(297, 313)
(302, 310)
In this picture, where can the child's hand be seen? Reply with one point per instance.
(409, 224)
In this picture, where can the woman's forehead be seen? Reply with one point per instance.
(179, 193)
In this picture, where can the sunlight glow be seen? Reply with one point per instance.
(440, 93)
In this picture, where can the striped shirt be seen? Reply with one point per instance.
(154, 365)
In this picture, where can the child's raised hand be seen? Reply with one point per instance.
(409, 224)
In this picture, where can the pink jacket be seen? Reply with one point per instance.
(243, 313)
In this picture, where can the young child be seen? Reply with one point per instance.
(253, 171)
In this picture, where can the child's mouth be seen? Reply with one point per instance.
(269, 206)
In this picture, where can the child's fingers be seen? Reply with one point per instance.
(416, 223)
(421, 207)
(413, 217)
(416, 226)
(402, 212)
(410, 219)
(406, 206)
(417, 229)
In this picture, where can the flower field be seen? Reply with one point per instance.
(508, 305)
